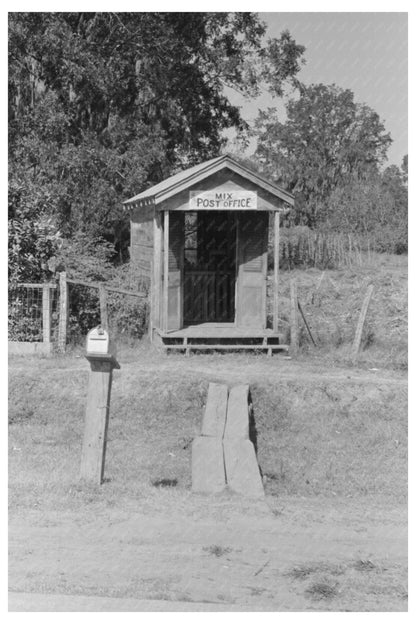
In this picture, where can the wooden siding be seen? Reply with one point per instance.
(141, 240)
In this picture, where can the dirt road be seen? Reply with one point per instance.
(301, 555)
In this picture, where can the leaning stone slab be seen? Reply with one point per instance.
(208, 474)
(237, 423)
(213, 422)
(241, 468)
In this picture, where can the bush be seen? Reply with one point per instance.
(375, 209)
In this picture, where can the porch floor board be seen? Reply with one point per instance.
(212, 330)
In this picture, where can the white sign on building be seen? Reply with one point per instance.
(222, 200)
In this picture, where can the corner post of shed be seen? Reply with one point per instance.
(165, 268)
(156, 275)
(276, 223)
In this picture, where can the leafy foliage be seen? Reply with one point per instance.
(326, 140)
(84, 257)
(376, 208)
(33, 236)
(102, 105)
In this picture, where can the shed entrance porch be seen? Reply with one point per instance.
(215, 265)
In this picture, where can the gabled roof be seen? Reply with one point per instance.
(182, 180)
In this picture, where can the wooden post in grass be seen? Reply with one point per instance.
(63, 312)
(306, 324)
(294, 327)
(94, 444)
(46, 313)
(360, 324)
(103, 306)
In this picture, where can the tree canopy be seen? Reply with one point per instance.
(102, 105)
(326, 140)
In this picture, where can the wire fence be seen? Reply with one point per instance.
(64, 314)
(32, 312)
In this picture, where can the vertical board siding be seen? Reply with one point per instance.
(141, 240)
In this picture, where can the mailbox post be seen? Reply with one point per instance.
(101, 356)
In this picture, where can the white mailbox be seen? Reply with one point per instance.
(100, 347)
(98, 341)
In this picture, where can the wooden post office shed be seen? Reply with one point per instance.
(201, 236)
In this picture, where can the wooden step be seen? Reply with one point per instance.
(222, 347)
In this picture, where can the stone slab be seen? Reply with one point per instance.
(208, 475)
(213, 422)
(237, 423)
(241, 468)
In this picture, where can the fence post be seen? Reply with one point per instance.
(294, 328)
(46, 313)
(63, 312)
(360, 325)
(103, 306)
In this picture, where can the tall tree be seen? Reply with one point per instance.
(326, 139)
(102, 105)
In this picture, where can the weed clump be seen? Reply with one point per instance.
(216, 550)
(165, 483)
(322, 590)
(364, 565)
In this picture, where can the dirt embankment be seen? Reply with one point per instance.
(330, 535)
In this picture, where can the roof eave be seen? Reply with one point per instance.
(181, 185)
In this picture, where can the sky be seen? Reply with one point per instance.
(364, 52)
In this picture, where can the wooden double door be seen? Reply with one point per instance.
(217, 268)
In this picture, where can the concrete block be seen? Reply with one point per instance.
(208, 474)
(241, 468)
(237, 423)
(213, 422)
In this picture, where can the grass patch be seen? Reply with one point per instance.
(302, 572)
(332, 299)
(349, 582)
(324, 438)
(331, 438)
